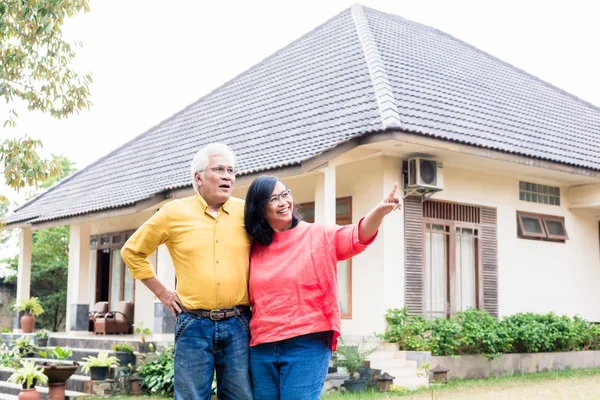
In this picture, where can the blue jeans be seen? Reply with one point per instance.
(203, 346)
(291, 369)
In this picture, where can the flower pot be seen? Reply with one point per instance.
(125, 358)
(59, 373)
(26, 353)
(56, 391)
(356, 385)
(27, 322)
(42, 342)
(29, 394)
(98, 373)
(145, 347)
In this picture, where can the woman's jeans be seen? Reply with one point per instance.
(291, 369)
(203, 346)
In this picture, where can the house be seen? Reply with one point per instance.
(501, 173)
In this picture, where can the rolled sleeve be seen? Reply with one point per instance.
(144, 242)
(346, 241)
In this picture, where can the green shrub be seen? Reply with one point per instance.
(410, 332)
(124, 347)
(480, 333)
(477, 332)
(159, 374)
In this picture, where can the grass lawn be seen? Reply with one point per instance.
(569, 384)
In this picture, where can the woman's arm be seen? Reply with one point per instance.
(372, 221)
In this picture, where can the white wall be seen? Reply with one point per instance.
(535, 276)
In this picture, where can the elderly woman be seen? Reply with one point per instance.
(294, 291)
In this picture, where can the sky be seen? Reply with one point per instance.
(151, 58)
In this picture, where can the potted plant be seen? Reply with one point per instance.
(9, 357)
(352, 358)
(58, 370)
(144, 347)
(124, 353)
(24, 346)
(32, 308)
(97, 367)
(28, 376)
(42, 337)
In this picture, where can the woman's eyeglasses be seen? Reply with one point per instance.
(285, 195)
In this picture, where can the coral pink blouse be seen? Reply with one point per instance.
(293, 281)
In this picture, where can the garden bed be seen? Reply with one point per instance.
(477, 366)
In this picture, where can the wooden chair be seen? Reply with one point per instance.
(100, 309)
(117, 321)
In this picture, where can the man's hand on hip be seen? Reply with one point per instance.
(170, 299)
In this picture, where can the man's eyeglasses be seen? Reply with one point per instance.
(285, 195)
(221, 170)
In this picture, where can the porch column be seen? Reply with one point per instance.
(164, 322)
(78, 304)
(392, 235)
(325, 195)
(24, 271)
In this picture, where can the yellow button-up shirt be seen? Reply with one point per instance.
(211, 255)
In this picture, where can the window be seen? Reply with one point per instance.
(541, 227)
(537, 193)
(343, 211)
(452, 267)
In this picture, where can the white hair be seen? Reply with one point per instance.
(200, 161)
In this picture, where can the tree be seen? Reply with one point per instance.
(35, 70)
(49, 265)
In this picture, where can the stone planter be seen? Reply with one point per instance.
(477, 366)
(59, 373)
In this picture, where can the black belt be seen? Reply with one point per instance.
(221, 313)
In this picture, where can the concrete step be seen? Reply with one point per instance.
(77, 383)
(384, 354)
(385, 364)
(8, 397)
(14, 390)
(400, 373)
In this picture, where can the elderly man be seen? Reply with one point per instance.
(210, 250)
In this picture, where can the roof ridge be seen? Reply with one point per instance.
(494, 58)
(386, 101)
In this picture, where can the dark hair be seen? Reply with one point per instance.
(254, 216)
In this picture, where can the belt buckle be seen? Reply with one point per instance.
(213, 312)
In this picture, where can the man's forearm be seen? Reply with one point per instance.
(154, 285)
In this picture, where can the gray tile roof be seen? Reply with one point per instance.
(362, 71)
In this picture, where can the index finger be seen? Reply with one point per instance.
(393, 192)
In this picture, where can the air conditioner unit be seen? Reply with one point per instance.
(425, 174)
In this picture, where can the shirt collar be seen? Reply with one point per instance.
(204, 204)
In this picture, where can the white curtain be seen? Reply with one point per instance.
(464, 282)
(435, 273)
(342, 267)
(115, 279)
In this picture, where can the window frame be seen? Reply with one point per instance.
(561, 220)
(340, 219)
(530, 235)
(545, 236)
(450, 260)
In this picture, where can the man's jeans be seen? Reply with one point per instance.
(291, 369)
(203, 345)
